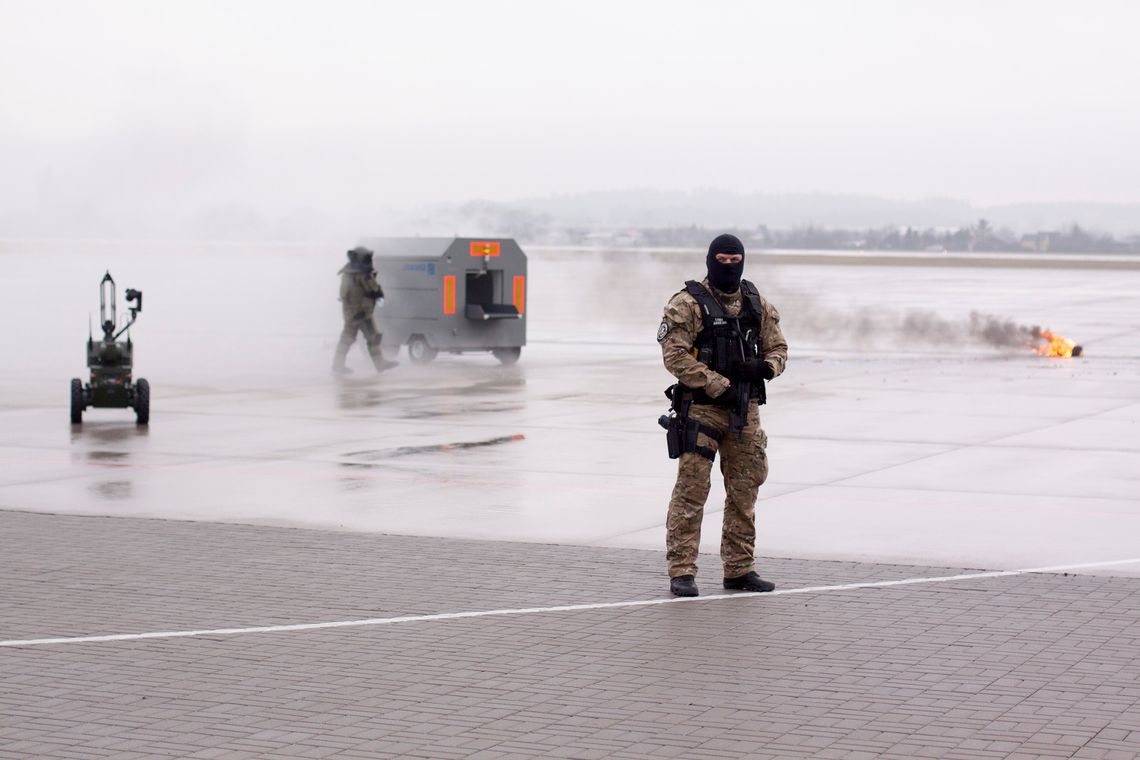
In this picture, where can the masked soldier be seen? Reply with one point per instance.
(722, 341)
(359, 295)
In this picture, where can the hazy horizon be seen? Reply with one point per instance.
(137, 116)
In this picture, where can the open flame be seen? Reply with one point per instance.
(1056, 346)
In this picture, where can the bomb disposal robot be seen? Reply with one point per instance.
(109, 360)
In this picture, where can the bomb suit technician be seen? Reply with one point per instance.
(360, 294)
(722, 341)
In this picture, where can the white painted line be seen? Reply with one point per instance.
(561, 608)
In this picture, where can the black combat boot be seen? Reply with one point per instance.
(340, 369)
(683, 585)
(749, 582)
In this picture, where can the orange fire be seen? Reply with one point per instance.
(1056, 346)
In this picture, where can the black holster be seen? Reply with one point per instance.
(674, 434)
(680, 431)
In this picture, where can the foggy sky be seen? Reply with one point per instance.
(133, 108)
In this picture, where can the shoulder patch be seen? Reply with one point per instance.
(663, 330)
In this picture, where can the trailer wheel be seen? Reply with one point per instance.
(76, 401)
(142, 402)
(507, 356)
(419, 351)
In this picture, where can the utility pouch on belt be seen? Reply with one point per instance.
(680, 431)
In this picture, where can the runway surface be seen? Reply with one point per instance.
(882, 447)
(451, 560)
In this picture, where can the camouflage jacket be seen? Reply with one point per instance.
(682, 322)
(358, 294)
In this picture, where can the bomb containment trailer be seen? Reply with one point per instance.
(451, 294)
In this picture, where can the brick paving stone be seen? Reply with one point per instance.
(1042, 666)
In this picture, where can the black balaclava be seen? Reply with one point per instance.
(725, 277)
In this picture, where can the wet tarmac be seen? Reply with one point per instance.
(883, 447)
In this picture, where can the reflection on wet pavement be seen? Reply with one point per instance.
(359, 398)
(108, 458)
(453, 409)
(108, 433)
(112, 490)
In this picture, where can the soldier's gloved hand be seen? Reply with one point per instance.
(380, 301)
(754, 370)
(729, 398)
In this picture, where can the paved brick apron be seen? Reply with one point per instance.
(1025, 666)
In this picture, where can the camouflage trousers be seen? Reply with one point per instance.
(353, 324)
(744, 466)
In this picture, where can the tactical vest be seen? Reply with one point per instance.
(724, 340)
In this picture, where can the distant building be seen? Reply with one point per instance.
(625, 237)
(1037, 241)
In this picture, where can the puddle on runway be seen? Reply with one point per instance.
(401, 451)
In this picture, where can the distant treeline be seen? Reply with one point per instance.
(976, 237)
(546, 228)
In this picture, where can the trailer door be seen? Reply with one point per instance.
(484, 296)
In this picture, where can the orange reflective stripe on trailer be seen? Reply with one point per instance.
(485, 248)
(449, 294)
(520, 294)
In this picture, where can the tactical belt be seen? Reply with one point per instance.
(699, 397)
